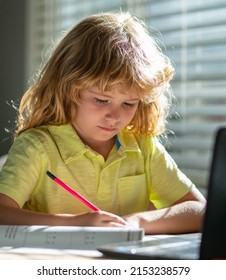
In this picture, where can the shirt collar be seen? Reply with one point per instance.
(117, 143)
(68, 142)
(71, 146)
(128, 142)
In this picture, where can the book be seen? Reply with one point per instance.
(65, 237)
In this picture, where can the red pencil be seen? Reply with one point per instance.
(73, 192)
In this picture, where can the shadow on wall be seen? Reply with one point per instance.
(12, 60)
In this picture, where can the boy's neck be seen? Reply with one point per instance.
(103, 148)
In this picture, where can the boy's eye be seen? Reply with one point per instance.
(129, 104)
(100, 101)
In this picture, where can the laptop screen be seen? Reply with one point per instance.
(213, 244)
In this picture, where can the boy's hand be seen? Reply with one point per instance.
(102, 219)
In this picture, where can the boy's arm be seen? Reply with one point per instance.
(12, 214)
(186, 215)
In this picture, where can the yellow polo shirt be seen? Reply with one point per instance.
(137, 170)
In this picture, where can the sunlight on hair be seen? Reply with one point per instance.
(105, 49)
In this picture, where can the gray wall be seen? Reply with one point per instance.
(12, 65)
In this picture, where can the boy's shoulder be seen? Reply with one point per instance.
(48, 135)
(145, 143)
(46, 131)
(60, 139)
(129, 140)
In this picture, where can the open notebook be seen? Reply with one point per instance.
(211, 244)
(64, 237)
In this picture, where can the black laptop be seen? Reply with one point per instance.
(210, 244)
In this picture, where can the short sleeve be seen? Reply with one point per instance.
(21, 170)
(168, 183)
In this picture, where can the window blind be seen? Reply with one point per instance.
(49, 19)
(192, 35)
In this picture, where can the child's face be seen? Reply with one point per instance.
(101, 115)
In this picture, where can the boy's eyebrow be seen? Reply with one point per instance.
(134, 99)
(110, 96)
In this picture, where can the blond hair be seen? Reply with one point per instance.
(105, 50)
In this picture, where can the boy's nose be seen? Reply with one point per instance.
(113, 116)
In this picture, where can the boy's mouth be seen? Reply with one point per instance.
(110, 129)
